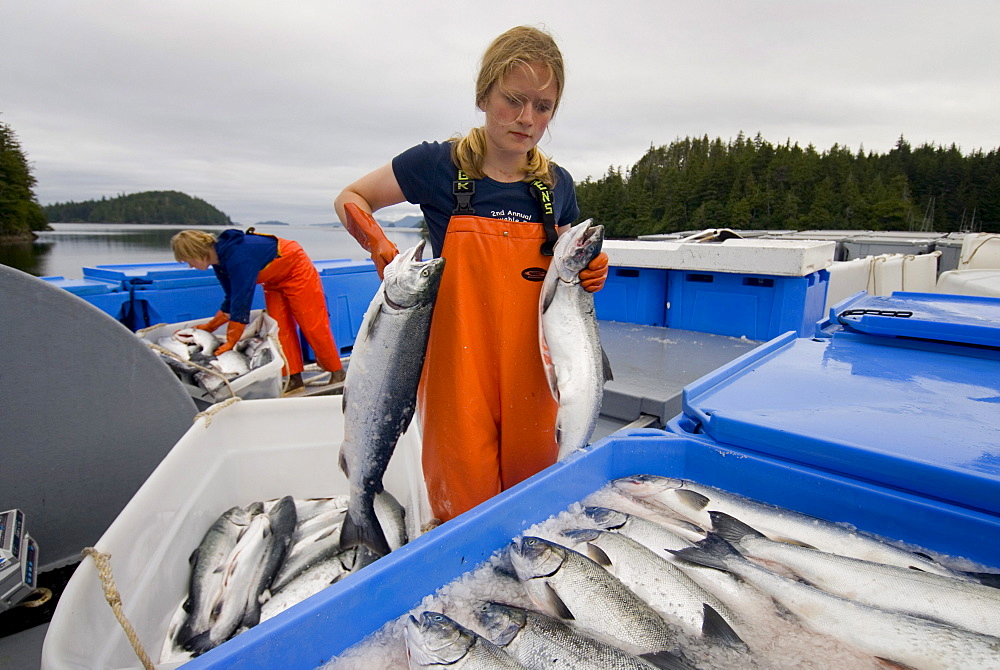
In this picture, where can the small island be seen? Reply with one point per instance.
(165, 207)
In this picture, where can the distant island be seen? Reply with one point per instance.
(410, 221)
(168, 207)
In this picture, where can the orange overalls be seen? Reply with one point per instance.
(487, 415)
(293, 294)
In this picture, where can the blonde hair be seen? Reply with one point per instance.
(516, 47)
(192, 245)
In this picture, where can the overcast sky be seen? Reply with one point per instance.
(267, 109)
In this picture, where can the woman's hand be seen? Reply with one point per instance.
(593, 276)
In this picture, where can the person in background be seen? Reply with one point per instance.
(494, 205)
(293, 292)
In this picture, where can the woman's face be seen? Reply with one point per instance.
(198, 263)
(519, 108)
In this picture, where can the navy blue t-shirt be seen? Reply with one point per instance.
(241, 258)
(426, 173)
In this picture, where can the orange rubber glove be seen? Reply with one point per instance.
(217, 320)
(233, 334)
(365, 229)
(593, 276)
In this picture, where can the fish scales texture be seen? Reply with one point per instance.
(661, 583)
(575, 364)
(567, 584)
(958, 602)
(437, 641)
(695, 501)
(900, 638)
(381, 386)
(239, 573)
(207, 563)
(540, 642)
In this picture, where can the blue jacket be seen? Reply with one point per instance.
(241, 257)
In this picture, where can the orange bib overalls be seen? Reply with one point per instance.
(293, 294)
(487, 415)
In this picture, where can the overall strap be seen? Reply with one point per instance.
(463, 189)
(544, 196)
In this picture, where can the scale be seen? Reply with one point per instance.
(18, 560)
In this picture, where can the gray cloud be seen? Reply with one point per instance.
(268, 110)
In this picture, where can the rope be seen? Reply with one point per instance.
(103, 562)
(215, 409)
(988, 238)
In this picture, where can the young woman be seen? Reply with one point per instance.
(493, 204)
(293, 292)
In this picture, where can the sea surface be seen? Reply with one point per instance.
(69, 247)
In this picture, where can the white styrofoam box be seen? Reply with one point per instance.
(251, 451)
(920, 272)
(985, 282)
(789, 258)
(846, 279)
(886, 275)
(262, 382)
(980, 251)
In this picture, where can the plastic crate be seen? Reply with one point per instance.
(911, 414)
(349, 287)
(758, 307)
(310, 633)
(109, 296)
(633, 295)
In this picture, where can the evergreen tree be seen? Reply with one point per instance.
(20, 212)
(703, 183)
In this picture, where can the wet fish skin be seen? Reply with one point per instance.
(539, 642)
(204, 342)
(381, 386)
(565, 584)
(575, 363)
(662, 539)
(239, 574)
(899, 638)
(314, 541)
(958, 602)
(281, 522)
(207, 563)
(661, 583)
(436, 641)
(695, 501)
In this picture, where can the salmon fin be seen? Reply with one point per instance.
(985, 578)
(548, 293)
(708, 552)
(892, 665)
(598, 555)
(199, 644)
(606, 364)
(550, 369)
(715, 627)
(666, 660)
(692, 498)
(731, 528)
(555, 603)
(368, 534)
(343, 463)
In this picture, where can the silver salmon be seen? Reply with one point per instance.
(380, 392)
(576, 365)
(436, 641)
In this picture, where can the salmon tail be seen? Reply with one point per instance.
(366, 531)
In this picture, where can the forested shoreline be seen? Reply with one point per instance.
(170, 207)
(698, 183)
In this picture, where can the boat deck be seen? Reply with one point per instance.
(651, 366)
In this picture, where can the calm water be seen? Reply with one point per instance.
(70, 247)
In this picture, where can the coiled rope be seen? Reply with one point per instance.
(103, 562)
